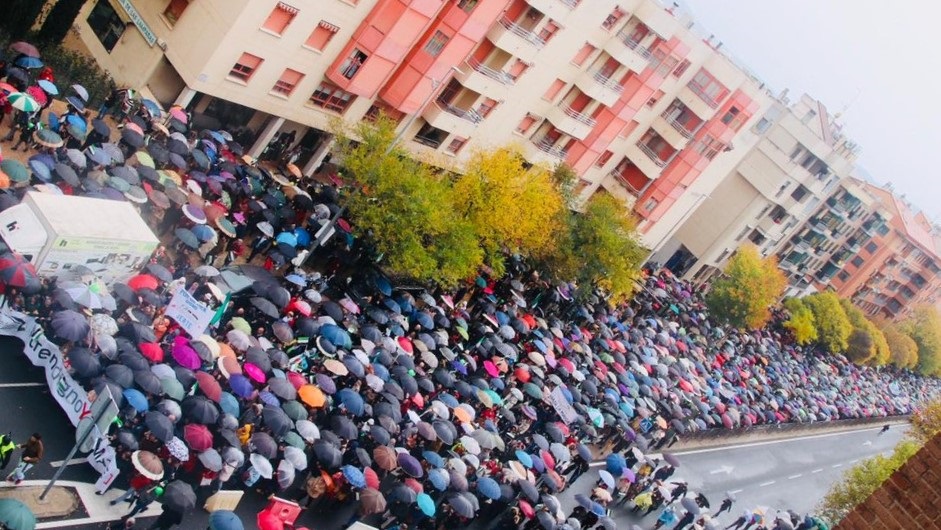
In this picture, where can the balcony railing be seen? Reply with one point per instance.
(468, 114)
(571, 4)
(522, 32)
(580, 117)
(679, 126)
(624, 182)
(548, 147)
(433, 143)
(653, 155)
(607, 82)
(496, 75)
(708, 99)
(625, 37)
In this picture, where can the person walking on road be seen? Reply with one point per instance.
(32, 454)
(726, 506)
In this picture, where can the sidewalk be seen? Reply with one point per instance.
(71, 503)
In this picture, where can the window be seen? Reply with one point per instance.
(548, 31)
(526, 124)
(662, 62)
(353, 63)
(436, 43)
(613, 18)
(730, 115)
(799, 193)
(321, 35)
(554, 89)
(279, 19)
(245, 67)
(757, 237)
(583, 54)
(762, 126)
(430, 136)
(486, 107)
(655, 98)
(106, 24)
(385, 110)
(175, 10)
(708, 88)
(288, 81)
(681, 68)
(603, 159)
(517, 69)
(871, 247)
(456, 145)
(332, 98)
(467, 5)
(743, 233)
(734, 118)
(650, 205)
(857, 262)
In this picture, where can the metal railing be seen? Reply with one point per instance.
(652, 154)
(707, 99)
(430, 142)
(571, 4)
(625, 37)
(522, 32)
(679, 126)
(470, 115)
(548, 147)
(622, 180)
(579, 117)
(496, 75)
(607, 82)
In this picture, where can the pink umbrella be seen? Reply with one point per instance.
(254, 372)
(209, 386)
(37, 94)
(296, 379)
(406, 345)
(197, 437)
(131, 126)
(349, 305)
(491, 369)
(179, 114)
(184, 354)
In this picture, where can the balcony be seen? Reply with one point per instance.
(658, 19)
(674, 133)
(600, 88)
(542, 151)
(571, 122)
(624, 183)
(645, 159)
(628, 52)
(693, 102)
(554, 9)
(454, 120)
(513, 38)
(483, 79)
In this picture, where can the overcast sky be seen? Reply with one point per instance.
(881, 59)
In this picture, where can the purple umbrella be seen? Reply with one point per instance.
(185, 355)
(241, 386)
(326, 384)
(410, 465)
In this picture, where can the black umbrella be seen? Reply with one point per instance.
(327, 454)
(529, 490)
(187, 237)
(200, 410)
(84, 362)
(66, 173)
(159, 425)
(70, 325)
(344, 427)
(276, 420)
(120, 374)
(461, 506)
(229, 437)
(263, 444)
(179, 496)
(266, 307)
(161, 272)
(137, 332)
(185, 376)
(148, 382)
(380, 434)
(333, 310)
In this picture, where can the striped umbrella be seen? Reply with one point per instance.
(15, 271)
(23, 101)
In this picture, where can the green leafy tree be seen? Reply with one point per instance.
(861, 480)
(833, 326)
(924, 327)
(60, 20)
(513, 207)
(600, 248)
(405, 209)
(749, 286)
(800, 322)
(903, 352)
(866, 343)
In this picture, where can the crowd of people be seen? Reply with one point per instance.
(320, 380)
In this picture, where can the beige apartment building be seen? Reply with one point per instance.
(628, 92)
(791, 160)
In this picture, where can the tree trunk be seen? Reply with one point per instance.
(60, 20)
(19, 17)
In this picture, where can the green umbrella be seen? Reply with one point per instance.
(119, 184)
(48, 138)
(294, 439)
(173, 388)
(14, 515)
(294, 410)
(15, 170)
(23, 101)
(144, 159)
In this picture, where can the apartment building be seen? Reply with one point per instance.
(625, 92)
(791, 159)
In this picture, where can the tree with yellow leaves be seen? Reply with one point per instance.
(800, 321)
(513, 207)
(749, 286)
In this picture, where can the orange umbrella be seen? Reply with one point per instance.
(385, 457)
(311, 395)
(462, 415)
(294, 170)
(225, 350)
(4, 180)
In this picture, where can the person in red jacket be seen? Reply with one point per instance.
(139, 483)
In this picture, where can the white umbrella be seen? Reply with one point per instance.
(261, 465)
(296, 457)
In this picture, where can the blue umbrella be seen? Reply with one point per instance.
(392, 305)
(241, 385)
(524, 458)
(229, 404)
(296, 279)
(40, 170)
(354, 476)
(225, 520)
(217, 137)
(269, 399)
(288, 238)
(336, 335)
(136, 399)
(303, 236)
(489, 488)
(152, 107)
(433, 458)
(439, 478)
(383, 285)
(76, 121)
(351, 400)
(28, 62)
(426, 504)
(48, 87)
(423, 319)
(203, 232)
(615, 464)
(448, 400)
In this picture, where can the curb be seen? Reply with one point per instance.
(97, 507)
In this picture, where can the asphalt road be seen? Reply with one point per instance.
(784, 474)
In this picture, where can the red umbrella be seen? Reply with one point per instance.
(197, 436)
(269, 521)
(296, 379)
(143, 281)
(372, 479)
(414, 485)
(209, 386)
(152, 351)
(37, 94)
(15, 271)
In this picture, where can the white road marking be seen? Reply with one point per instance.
(724, 469)
(72, 462)
(836, 465)
(772, 442)
(20, 385)
(792, 477)
(867, 443)
(817, 470)
(763, 484)
(733, 492)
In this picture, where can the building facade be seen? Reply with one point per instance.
(625, 92)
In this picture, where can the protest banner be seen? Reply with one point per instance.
(191, 314)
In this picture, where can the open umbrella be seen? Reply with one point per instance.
(15, 515)
(70, 325)
(179, 496)
(225, 520)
